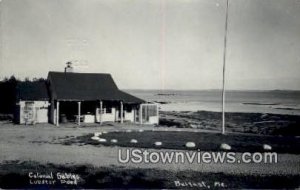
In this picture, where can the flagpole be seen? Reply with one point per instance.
(224, 66)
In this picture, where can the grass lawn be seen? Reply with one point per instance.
(120, 177)
(204, 141)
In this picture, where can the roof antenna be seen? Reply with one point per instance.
(224, 66)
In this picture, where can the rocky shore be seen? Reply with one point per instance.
(255, 123)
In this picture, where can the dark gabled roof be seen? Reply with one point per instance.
(87, 86)
(36, 90)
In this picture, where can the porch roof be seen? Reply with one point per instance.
(87, 87)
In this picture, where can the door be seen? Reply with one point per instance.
(29, 115)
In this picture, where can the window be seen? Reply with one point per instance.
(108, 110)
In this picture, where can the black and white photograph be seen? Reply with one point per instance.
(149, 94)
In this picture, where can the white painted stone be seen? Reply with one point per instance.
(114, 140)
(190, 144)
(128, 131)
(141, 130)
(158, 143)
(102, 140)
(225, 146)
(133, 141)
(97, 134)
(104, 132)
(96, 138)
(267, 147)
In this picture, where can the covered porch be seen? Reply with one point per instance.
(100, 111)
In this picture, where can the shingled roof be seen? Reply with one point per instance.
(87, 86)
(36, 90)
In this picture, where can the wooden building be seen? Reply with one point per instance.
(82, 98)
(32, 103)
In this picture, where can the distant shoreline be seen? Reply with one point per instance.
(263, 104)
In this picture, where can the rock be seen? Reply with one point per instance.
(133, 141)
(193, 126)
(128, 131)
(267, 147)
(225, 146)
(96, 138)
(104, 132)
(114, 140)
(158, 143)
(141, 130)
(97, 134)
(102, 140)
(190, 144)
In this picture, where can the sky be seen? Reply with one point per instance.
(157, 44)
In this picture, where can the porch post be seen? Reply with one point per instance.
(121, 111)
(134, 115)
(101, 108)
(79, 112)
(157, 112)
(57, 113)
(141, 114)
